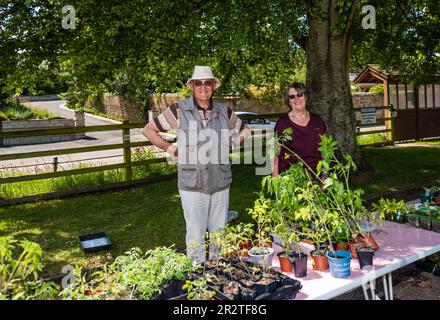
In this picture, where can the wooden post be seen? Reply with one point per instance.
(1, 130)
(55, 164)
(392, 124)
(127, 152)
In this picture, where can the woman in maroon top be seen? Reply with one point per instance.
(306, 128)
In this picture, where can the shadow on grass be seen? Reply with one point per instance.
(145, 217)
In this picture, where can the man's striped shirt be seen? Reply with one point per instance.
(169, 119)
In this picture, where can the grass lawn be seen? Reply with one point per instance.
(151, 215)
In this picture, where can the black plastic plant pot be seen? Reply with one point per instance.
(426, 223)
(299, 262)
(414, 220)
(95, 242)
(266, 288)
(436, 225)
(365, 255)
(400, 218)
(173, 290)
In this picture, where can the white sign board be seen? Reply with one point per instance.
(368, 115)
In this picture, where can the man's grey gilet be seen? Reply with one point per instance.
(195, 176)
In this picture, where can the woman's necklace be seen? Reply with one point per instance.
(300, 120)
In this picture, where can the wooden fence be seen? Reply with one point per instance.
(127, 165)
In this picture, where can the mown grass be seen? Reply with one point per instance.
(399, 168)
(152, 215)
(16, 111)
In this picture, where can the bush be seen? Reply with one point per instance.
(14, 110)
(377, 89)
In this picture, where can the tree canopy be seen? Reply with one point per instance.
(136, 47)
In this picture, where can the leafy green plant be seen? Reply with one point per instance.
(20, 266)
(14, 110)
(388, 207)
(198, 288)
(320, 201)
(377, 89)
(133, 275)
(260, 213)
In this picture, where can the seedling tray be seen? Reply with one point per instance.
(94, 242)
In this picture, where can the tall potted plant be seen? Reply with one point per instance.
(260, 253)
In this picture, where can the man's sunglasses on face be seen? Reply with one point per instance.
(206, 83)
(298, 95)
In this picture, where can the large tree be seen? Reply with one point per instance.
(140, 46)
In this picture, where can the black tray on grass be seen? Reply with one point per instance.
(94, 242)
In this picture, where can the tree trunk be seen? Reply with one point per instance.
(328, 82)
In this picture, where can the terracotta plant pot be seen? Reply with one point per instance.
(319, 260)
(354, 245)
(369, 240)
(267, 244)
(342, 246)
(285, 262)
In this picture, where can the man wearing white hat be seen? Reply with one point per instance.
(204, 171)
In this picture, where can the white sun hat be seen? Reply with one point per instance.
(203, 72)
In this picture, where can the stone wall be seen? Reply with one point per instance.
(364, 99)
(118, 107)
(29, 125)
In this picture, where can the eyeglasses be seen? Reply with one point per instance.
(206, 83)
(298, 95)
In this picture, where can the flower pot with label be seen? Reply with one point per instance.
(339, 262)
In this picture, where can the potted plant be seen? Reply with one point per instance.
(260, 253)
(392, 210)
(365, 255)
(319, 235)
(244, 232)
(426, 196)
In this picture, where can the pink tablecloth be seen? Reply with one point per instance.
(399, 245)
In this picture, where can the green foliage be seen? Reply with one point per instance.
(389, 207)
(229, 238)
(198, 288)
(320, 206)
(377, 89)
(261, 214)
(133, 275)
(14, 110)
(405, 39)
(20, 266)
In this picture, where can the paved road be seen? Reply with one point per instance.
(92, 138)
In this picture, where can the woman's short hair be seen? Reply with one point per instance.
(299, 87)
